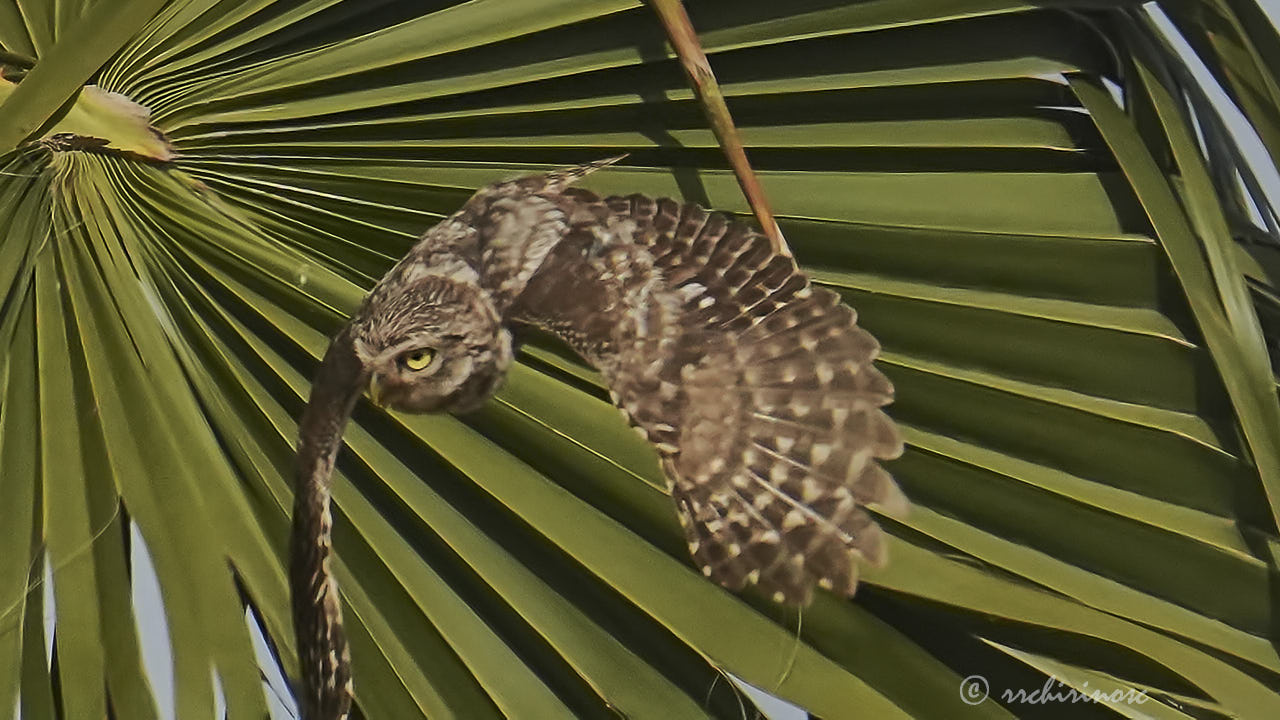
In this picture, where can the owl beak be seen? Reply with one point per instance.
(375, 389)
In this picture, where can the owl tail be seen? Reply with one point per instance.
(324, 659)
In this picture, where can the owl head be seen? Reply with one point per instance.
(436, 344)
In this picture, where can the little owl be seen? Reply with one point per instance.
(756, 389)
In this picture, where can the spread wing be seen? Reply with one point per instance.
(317, 609)
(784, 427)
(757, 388)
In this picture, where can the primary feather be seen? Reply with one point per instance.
(757, 389)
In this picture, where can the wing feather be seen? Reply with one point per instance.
(757, 388)
(782, 430)
(323, 655)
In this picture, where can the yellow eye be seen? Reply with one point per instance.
(418, 359)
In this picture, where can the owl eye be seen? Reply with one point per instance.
(418, 359)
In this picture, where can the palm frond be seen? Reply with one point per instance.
(1074, 306)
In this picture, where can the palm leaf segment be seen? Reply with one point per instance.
(1074, 303)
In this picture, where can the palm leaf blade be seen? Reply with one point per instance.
(1082, 372)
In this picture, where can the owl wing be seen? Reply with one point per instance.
(788, 378)
(757, 388)
(323, 655)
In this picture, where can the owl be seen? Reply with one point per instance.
(755, 388)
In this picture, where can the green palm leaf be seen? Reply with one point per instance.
(1075, 307)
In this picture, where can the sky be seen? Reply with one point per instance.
(153, 631)
(1255, 154)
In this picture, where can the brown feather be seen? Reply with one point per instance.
(317, 610)
(756, 389)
